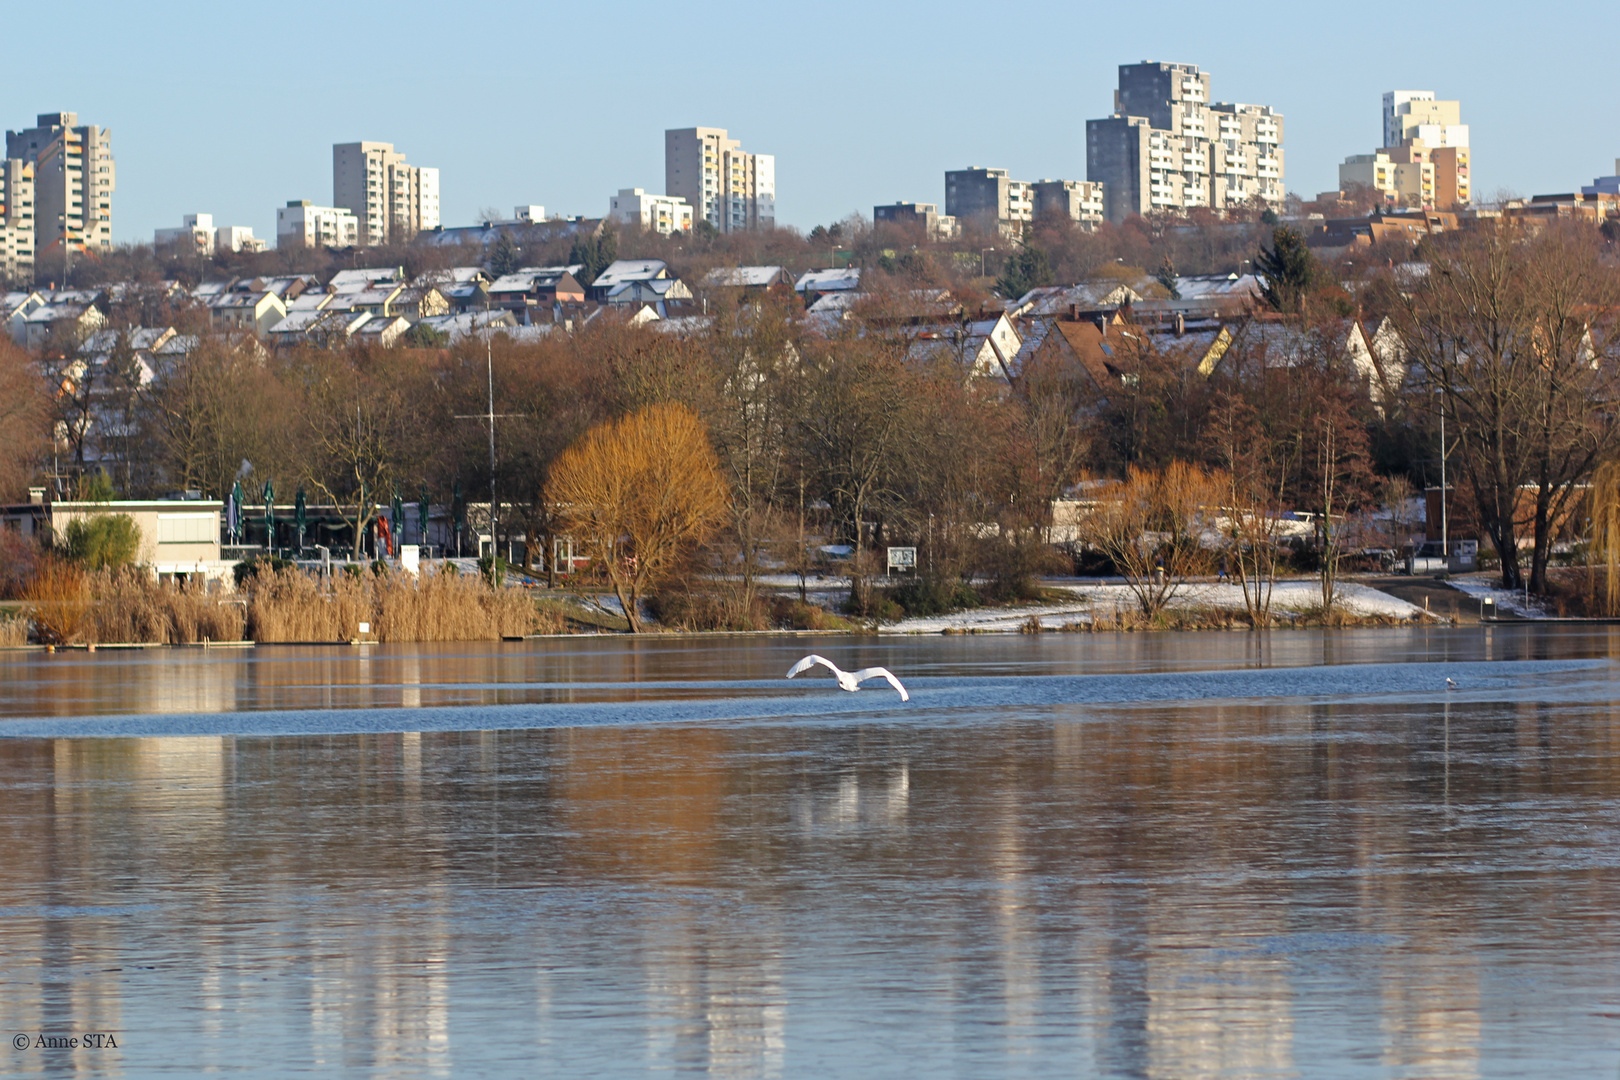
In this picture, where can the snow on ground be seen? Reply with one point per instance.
(1507, 601)
(1288, 596)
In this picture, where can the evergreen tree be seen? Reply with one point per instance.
(1166, 275)
(1027, 269)
(1288, 268)
(507, 257)
(594, 253)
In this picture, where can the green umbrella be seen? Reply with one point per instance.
(458, 507)
(300, 516)
(422, 515)
(235, 522)
(397, 522)
(269, 517)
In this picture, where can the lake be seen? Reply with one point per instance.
(1169, 855)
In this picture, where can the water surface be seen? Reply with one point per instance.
(1196, 855)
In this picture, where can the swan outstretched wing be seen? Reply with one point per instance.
(811, 661)
(882, 673)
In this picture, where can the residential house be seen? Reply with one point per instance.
(536, 286)
(60, 323)
(382, 330)
(252, 311)
(814, 284)
(624, 271)
(324, 328)
(469, 323)
(747, 278)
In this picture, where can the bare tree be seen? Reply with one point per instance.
(1153, 527)
(1503, 331)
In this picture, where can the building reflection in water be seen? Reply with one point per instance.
(1233, 890)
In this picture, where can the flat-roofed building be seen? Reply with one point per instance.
(729, 188)
(990, 199)
(303, 224)
(392, 201)
(1077, 200)
(1168, 147)
(16, 219)
(662, 214)
(925, 216)
(74, 181)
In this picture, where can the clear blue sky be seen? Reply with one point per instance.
(233, 109)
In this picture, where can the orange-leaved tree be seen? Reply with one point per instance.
(637, 493)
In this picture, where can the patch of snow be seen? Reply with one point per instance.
(1507, 601)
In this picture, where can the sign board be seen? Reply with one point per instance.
(902, 558)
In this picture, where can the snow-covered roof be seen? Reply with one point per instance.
(743, 277)
(1087, 295)
(468, 323)
(622, 270)
(356, 280)
(838, 279)
(528, 278)
(309, 301)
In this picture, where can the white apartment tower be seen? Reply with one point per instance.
(393, 201)
(16, 220)
(1167, 147)
(73, 181)
(727, 187)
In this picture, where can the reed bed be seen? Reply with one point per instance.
(130, 606)
(13, 630)
(288, 605)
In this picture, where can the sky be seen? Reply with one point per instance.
(233, 109)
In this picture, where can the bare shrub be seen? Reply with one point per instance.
(58, 598)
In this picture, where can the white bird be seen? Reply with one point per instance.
(849, 680)
(1451, 684)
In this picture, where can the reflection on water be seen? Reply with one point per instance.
(1221, 888)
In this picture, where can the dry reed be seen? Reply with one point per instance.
(288, 605)
(130, 606)
(13, 630)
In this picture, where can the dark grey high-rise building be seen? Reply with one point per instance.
(1166, 147)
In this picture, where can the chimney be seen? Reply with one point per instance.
(1102, 323)
(1074, 312)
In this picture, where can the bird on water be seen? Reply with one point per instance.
(849, 680)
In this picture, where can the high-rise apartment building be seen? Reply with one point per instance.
(392, 201)
(989, 199)
(729, 188)
(73, 181)
(1078, 200)
(1434, 131)
(1167, 147)
(16, 220)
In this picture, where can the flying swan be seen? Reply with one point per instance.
(849, 680)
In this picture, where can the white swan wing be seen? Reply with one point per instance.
(811, 661)
(882, 673)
